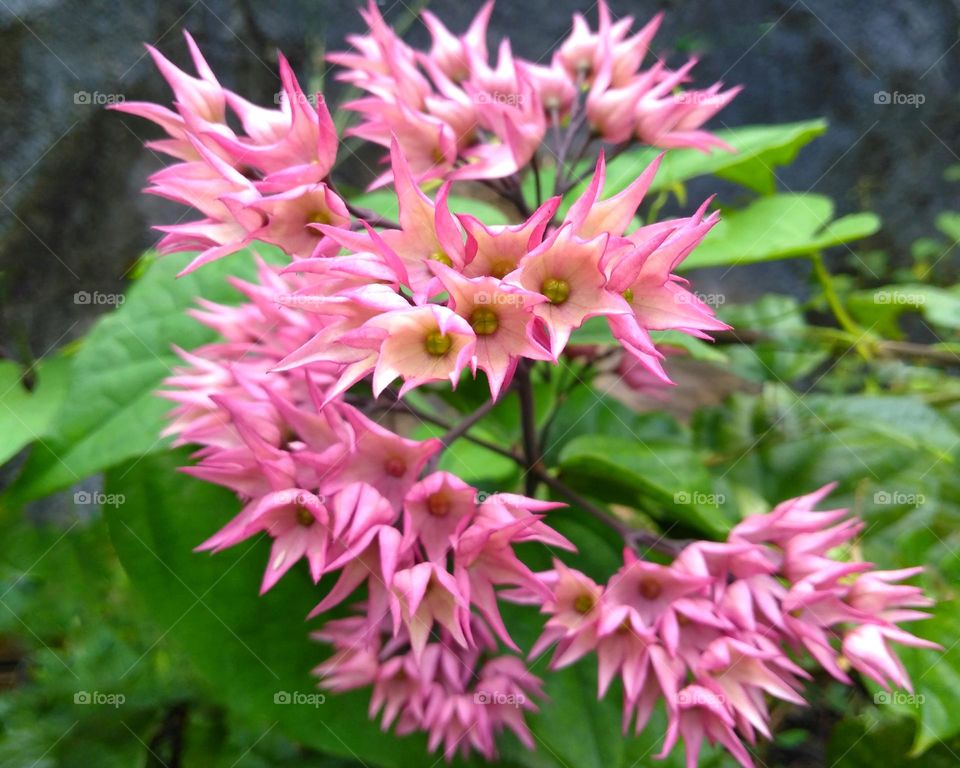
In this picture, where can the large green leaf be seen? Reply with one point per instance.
(111, 412)
(760, 149)
(25, 415)
(778, 227)
(639, 473)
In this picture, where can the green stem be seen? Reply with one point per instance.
(833, 299)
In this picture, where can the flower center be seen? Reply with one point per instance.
(628, 295)
(305, 517)
(484, 321)
(556, 290)
(650, 588)
(583, 604)
(319, 217)
(438, 504)
(500, 269)
(395, 467)
(442, 258)
(437, 343)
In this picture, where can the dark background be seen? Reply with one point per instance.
(72, 217)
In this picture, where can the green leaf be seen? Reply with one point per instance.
(778, 227)
(760, 150)
(471, 462)
(25, 415)
(936, 677)
(948, 222)
(636, 472)
(939, 306)
(903, 420)
(111, 411)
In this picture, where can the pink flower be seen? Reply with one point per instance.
(567, 271)
(297, 522)
(497, 251)
(867, 651)
(650, 589)
(419, 345)
(502, 320)
(388, 462)
(703, 714)
(435, 509)
(426, 593)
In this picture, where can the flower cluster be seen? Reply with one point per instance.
(265, 185)
(283, 416)
(716, 632)
(330, 486)
(443, 292)
(456, 115)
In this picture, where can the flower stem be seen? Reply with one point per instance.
(531, 450)
(637, 539)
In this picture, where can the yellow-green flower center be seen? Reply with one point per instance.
(583, 603)
(305, 517)
(556, 290)
(484, 321)
(628, 295)
(437, 343)
(442, 258)
(500, 269)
